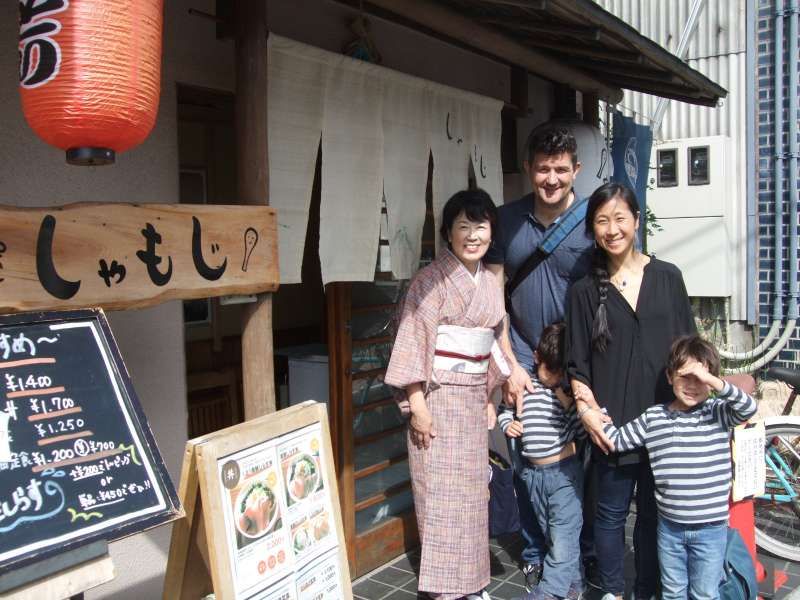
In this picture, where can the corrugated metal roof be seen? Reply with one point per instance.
(720, 28)
(717, 49)
(581, 44)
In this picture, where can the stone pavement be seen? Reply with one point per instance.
(398, 580)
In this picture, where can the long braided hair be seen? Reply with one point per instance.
(601, 333)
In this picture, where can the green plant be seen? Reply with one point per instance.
(651, 224)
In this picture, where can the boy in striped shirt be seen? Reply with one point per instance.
(688, 443)
(553, 474)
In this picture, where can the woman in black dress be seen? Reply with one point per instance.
(621, 320)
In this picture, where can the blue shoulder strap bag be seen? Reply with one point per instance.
(566, 223)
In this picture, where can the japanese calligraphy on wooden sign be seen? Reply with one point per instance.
(121, 256)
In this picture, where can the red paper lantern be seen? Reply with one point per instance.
(90, 74)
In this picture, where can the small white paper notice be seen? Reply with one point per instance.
(5, 446)
(749, 469)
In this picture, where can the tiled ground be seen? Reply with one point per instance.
(398, 579)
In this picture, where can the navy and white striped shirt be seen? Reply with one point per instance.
(546, 426)
(689, 453)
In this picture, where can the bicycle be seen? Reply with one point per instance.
(777, 512)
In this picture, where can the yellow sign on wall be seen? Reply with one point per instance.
(121, 256)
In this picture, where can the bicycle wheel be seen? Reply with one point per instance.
(777, 522)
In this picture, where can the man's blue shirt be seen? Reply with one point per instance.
(540, 298)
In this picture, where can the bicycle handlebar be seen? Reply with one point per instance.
(789, 376)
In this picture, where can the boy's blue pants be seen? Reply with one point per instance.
(555, 492)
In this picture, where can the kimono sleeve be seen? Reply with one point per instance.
(412, 354)
(499, 364)
(578, 350)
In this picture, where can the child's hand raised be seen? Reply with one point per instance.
(693, 368)
(514, 429)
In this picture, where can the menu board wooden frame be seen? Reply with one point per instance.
(201, 539)
(137, 427)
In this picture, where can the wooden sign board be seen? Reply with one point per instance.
(271, 524)
(78, 462)
(121, 256)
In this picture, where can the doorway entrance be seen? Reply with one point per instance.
(331, 344)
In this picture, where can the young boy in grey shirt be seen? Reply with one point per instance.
(553, 474)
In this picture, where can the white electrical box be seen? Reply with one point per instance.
(692, 192)
(699, 247)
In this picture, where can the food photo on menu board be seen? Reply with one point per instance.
(302, 475)
(253, 489)
(309, 510)
(279, 520)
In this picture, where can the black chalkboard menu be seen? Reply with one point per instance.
(78, 462)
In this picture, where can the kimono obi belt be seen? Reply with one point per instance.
(464, 349)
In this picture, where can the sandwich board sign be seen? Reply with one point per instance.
(78, 462)
(262, 513)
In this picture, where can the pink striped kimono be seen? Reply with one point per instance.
(449, 480)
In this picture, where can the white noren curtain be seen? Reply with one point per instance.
(377, 128)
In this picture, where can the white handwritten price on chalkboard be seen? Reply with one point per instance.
(61, 426)
(53, 404)
(31, 382)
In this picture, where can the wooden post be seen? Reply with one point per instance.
(252, 163)
(591, 110)
(338, 301)
(566, 106)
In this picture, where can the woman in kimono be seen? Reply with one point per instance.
(446, 359)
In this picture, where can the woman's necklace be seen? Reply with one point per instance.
(621, 280)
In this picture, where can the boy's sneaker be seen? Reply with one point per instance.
(590, 572)
(537, 594)
(482, 595)
(533, 574)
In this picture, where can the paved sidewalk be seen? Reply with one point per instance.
(398, 580)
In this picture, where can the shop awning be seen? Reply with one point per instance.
(574, 42)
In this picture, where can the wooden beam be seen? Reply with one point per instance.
(667, 90)
(383, 495)
(547, 28)
(466, 30)
(252, 164)
(615, 56)
(526, 4)
(381, 466)
(632, 71)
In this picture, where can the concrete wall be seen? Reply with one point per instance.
(151, 340)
